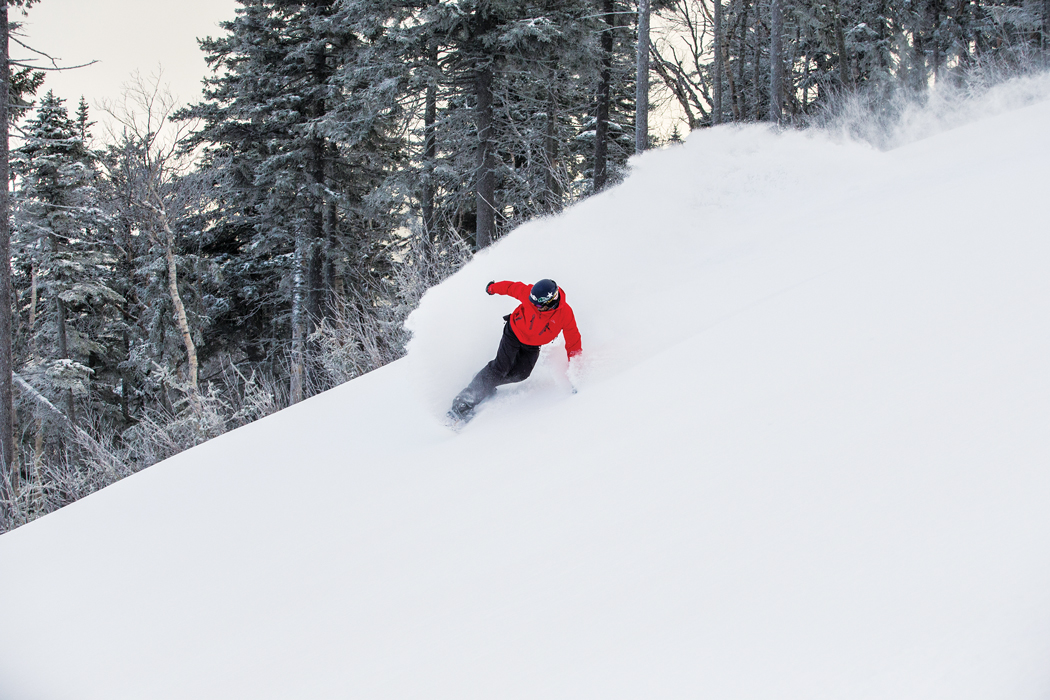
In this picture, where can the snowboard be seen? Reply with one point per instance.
(461, 413)
(456, 421)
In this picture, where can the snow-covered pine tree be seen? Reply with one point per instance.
(296, 152)
(57, 225)
(547, 88)
(120, 162)
(510, 85)
(473, 39)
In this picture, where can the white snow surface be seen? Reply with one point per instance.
(809, 458)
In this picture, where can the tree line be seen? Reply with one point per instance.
(199, 266)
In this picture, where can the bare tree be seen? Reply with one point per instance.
(486, 158)
(144, 119)
(679, 55)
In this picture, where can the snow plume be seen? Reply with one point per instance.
(894, 119)
(687, 208)
(647, 263)
(808, 460)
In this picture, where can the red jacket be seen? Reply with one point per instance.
(535, 327)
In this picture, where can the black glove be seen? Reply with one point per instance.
(488, 288)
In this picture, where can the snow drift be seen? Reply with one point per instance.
(809, 458)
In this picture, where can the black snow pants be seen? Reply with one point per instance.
(514, 363)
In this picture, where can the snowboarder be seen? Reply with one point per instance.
(541, 316)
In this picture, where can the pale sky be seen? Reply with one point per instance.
(123, 36)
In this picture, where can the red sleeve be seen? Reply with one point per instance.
(511, 289)
(573, 341)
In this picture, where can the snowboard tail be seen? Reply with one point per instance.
(461, 413)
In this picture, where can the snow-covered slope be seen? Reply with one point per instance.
(809, 458)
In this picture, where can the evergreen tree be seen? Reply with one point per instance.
(503, 96)
(297, 155)
(57, 236)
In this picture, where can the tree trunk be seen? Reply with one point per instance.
(315, 167)
(920, 77)
(719, 68)
(176, 301)
(38, 457)
(7, 442)
(840, 46)
(739, 90)
(756, 79)
(430, 156)
(805, 83)
(298, 357)
(63, 352)
(776, 61)
(124, 268)
(315, 297)
(641, 95)
(334, 269)
(552, 190)
(125, 383)
(34, 297)
(1046, 26)
(315, 234)
(486, 162)
(601, 129)
(60, 331)
(937, 44)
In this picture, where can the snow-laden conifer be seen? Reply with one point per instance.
(59, 238)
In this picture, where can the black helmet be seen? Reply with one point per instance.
(544, 295)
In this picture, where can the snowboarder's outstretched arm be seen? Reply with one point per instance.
(517, 290)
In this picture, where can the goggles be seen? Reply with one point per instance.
(546, 302)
